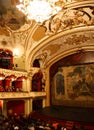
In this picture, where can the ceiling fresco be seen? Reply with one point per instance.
(10, 17)
(14, 19)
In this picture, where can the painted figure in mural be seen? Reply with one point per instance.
(89, 76)
(59, 80)
(77, 80)
(80, 85)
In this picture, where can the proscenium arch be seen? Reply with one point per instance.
(70, 52)
(72, 49)
(32, 53)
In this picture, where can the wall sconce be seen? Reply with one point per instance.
(2, 76)
(16, 53)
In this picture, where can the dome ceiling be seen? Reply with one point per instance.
(14, 19)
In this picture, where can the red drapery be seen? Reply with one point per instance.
(37, 82)
(16, 106)
(6, 59)
(8, 82)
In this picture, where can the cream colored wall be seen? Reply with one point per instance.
(20, 63)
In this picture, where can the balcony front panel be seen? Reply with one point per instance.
(18, 95)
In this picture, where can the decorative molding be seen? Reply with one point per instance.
(18, 95)
(32, 71)
(8, 72)
(76, 39)
(20, 37)
(82, 38)
(37, 94)
(70, 18)
(42, 58)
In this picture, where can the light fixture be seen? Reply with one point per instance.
(38, 10)
(15, 52)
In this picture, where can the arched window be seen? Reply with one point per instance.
(6, 59)
(36, 63)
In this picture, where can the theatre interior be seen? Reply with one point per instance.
(47, 64)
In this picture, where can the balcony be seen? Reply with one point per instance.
(8, 72)
(25, 90)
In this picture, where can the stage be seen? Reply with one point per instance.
(78, 114)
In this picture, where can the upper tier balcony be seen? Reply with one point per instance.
(16, 84)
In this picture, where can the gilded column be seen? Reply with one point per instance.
(28, 106)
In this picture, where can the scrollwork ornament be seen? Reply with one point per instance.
(70, 18)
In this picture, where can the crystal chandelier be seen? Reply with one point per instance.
(38, 10)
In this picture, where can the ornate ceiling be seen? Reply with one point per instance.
(70, 28)
(13, 19)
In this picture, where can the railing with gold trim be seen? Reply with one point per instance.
(18, 95)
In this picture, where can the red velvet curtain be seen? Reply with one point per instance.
(37, 82)
(1, 86)
(6, 59)
(16, 106)
(19, 83)
(1, 104)
(8, 82)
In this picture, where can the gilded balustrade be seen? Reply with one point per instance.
(19, 95)
(25, 93)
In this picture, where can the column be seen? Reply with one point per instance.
(4, 108)
(47, 89)
(43, 104)
(28, 85)
(24, 85)
(28, 106)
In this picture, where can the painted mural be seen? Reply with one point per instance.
(78, 81)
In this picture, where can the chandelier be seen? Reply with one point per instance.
(38, 10)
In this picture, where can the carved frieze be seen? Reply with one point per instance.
(64, 43)
(8, 72)
(70, 18)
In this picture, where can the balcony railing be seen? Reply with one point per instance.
(7, 72)
(18, 95)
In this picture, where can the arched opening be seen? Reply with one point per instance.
(36, 63)
(37, 81)
(6, 59)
